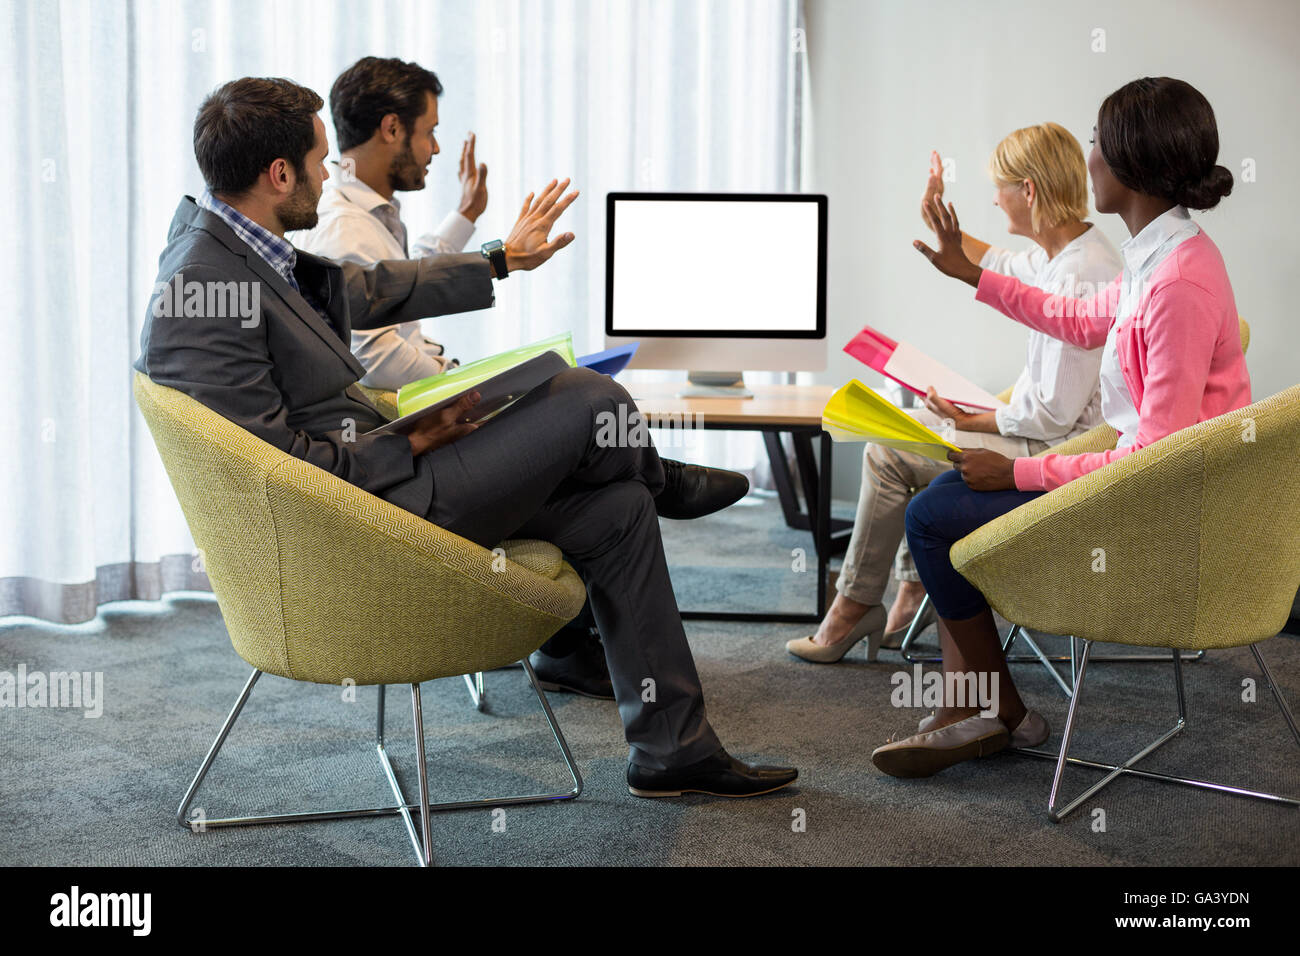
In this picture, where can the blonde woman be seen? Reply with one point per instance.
(1041, 185)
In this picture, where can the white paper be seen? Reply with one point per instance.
(909, 364)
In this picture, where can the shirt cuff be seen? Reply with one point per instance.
(1028, 474)
(1003, 421)
(992, 287)
(455, 230)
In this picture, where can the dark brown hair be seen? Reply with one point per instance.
(1159, 138)
(372, 88)
(245, 125)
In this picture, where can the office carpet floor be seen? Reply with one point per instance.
(77, 790)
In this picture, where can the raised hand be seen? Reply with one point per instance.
(949, 259)
(933, 185)
(529, 243)
(473, 182)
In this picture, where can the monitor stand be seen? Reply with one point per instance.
(715, 385)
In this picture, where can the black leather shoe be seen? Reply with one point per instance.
(581, 671)
(721, 775)
(692, 491)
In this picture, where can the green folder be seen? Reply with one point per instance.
(428, 391)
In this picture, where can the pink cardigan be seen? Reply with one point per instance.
(1180, 352)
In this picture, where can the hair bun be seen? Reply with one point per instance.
(1206, 192)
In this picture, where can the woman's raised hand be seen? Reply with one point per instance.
(949, 259)
(933, 185)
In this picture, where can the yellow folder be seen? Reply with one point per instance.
(855, 413)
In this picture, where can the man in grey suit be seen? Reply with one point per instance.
(259, 332)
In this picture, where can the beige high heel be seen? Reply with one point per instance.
(894, 639)
(871, 627)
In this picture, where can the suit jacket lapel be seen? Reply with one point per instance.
(214, 225)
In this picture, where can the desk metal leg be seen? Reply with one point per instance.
(823, 533)
(783, 480)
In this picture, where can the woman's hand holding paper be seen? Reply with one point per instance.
(984, 470)
(944, 408)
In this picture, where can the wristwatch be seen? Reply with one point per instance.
(495, 253)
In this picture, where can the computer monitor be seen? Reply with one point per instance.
(717, 283)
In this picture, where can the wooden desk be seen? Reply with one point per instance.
(789, 406)
(774, 410)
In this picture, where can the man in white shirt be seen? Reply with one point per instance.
(385, 114)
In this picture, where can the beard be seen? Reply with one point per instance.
(405, 174)
(299, 210)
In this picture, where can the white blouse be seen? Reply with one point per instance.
(1056, 395)
(1142, 254)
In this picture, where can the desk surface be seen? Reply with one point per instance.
(771, 404)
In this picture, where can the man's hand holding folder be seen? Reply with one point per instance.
(444, 426)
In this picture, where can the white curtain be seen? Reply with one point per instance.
(99, 97)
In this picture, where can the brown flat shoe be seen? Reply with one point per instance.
(923, 755)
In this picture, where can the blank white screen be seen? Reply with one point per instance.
(715, 266)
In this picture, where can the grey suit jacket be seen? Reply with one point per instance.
(287, 375)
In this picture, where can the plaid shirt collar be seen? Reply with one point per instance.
(279, 253)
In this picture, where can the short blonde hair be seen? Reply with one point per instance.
(1050, 156)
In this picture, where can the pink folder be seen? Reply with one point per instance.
(877, 350)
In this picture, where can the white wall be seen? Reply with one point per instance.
(891, 80)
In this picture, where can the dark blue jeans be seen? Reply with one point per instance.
(944, 513)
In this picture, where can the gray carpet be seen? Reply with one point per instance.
(103, 791)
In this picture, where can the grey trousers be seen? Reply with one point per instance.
(890, 478)
(537, 471)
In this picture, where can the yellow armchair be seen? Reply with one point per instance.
(320, 581)
(1185, 544)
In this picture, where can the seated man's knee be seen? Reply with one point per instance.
(590, 386)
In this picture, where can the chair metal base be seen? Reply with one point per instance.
(1048, 661)
(1127, 767)
(476, 692)
(421, 840)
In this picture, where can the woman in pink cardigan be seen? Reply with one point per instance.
(1172, 357)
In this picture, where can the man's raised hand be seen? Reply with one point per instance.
(529, 243)
(473, 182)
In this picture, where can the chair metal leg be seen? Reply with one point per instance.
(1047, 660)
(1012, 633)
(912, 633)
(1115, 771)
(1277, 693)
(905, 648)
(476, 692)
(421, 840)
(426, 859)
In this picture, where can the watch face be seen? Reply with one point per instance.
(494, 245)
